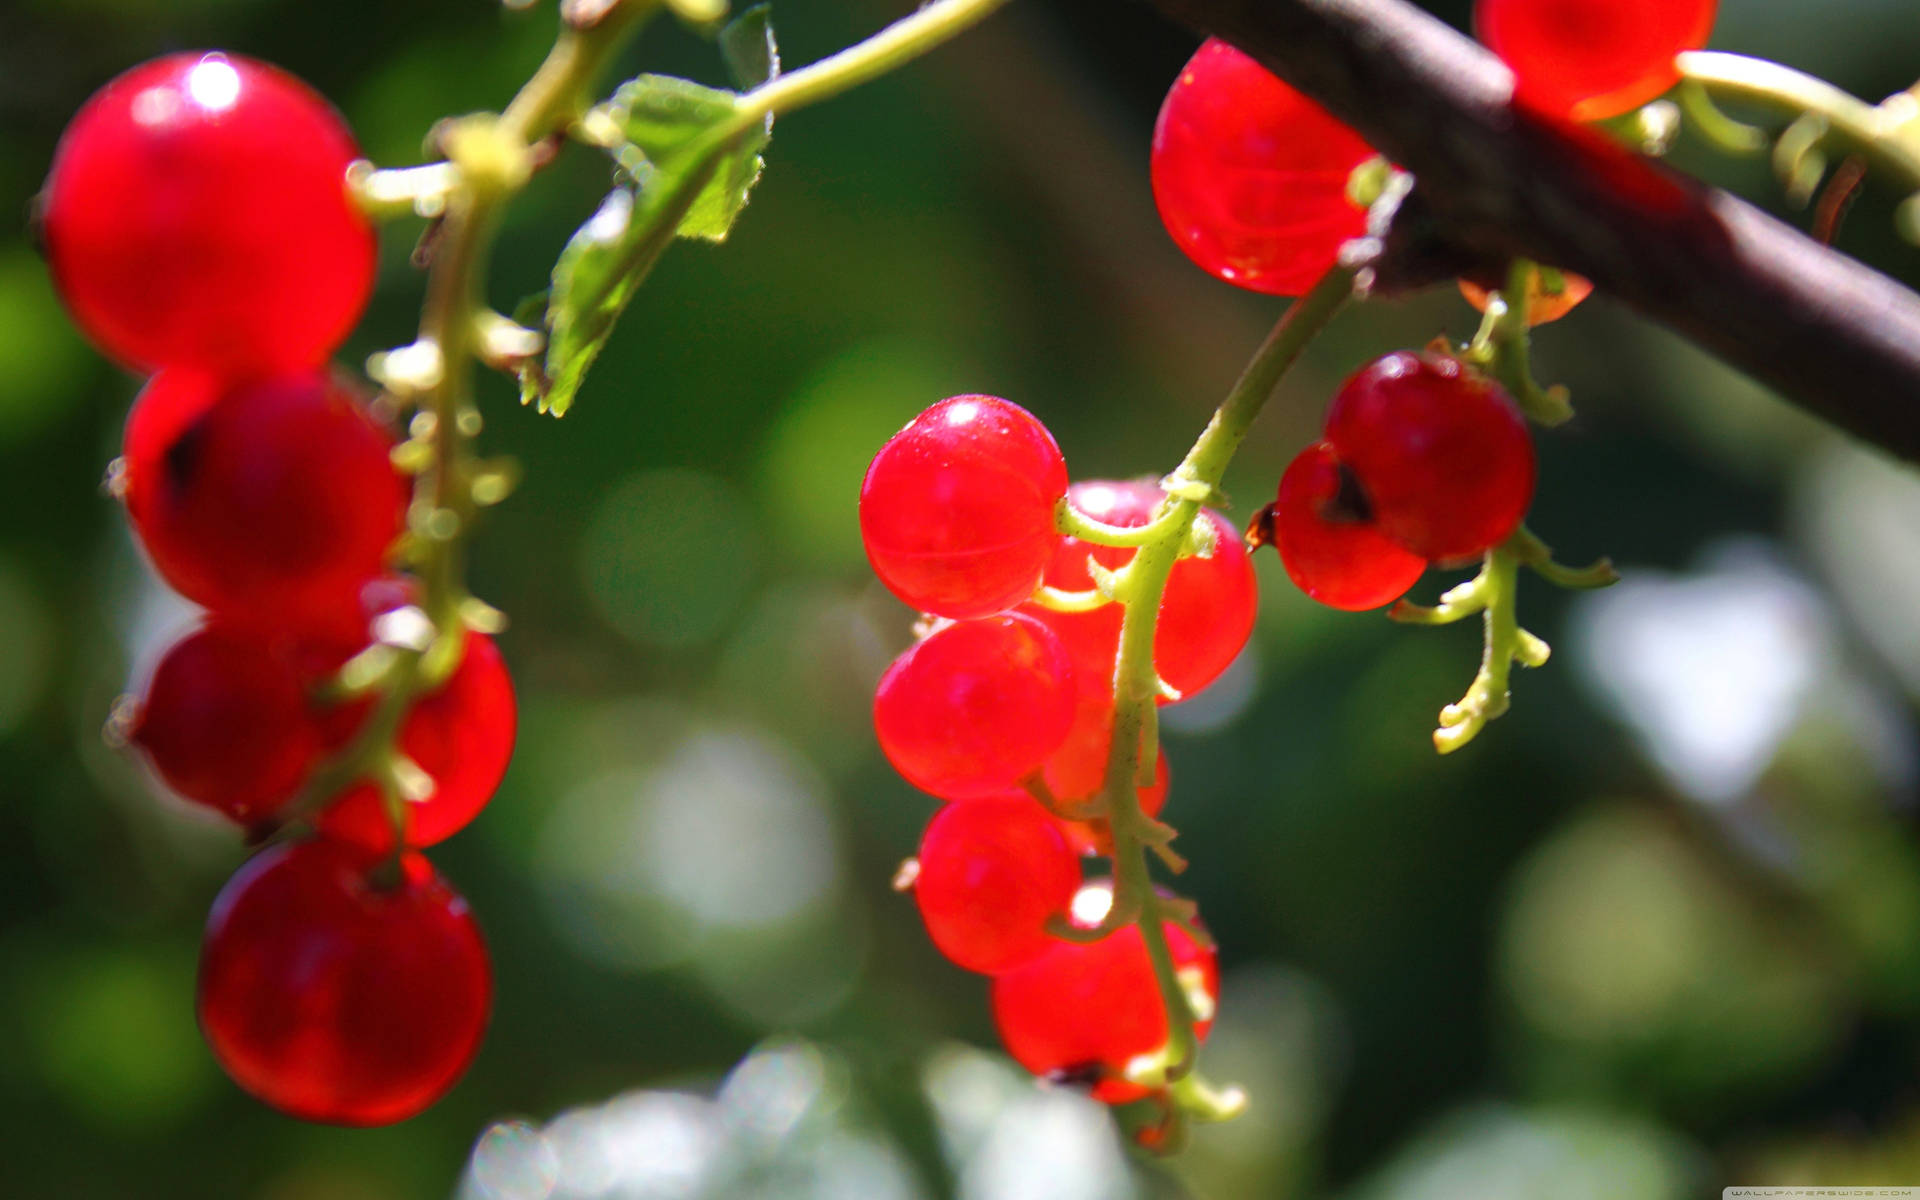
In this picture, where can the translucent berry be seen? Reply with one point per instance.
(992, 870)
(1206, 614)
(1251, 176)
(1441, 454)
(1542, 306)
(1322, 525)
(462, 736)
(976, 707)
(274, 499)
(1083, 1011)
(197, 215)
(1592, 59)
(229, 721)
(1077, 771)
(957, 509)
(335, 993)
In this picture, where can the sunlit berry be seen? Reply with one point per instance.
(992, 870)
(197, 215)
(272, 500)
(976, 707)
(1592, 59)
(335, 993)
(1441, 454)
(1323, 528)
(1251, 177)
(1206, 613)
(1084, 1011)
(957, 509)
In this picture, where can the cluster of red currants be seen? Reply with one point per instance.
(341, 978)
(1005, 698)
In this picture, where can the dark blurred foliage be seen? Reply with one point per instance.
(1657, 932)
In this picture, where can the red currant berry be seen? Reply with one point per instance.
(228, 721)
(956, 511)
(197, 214)
(1206, 613)
(462, 737)
(1323, 529)
(1077, 771)
(1085, 1011)
(976, 707)
(1442, 454)
(1588, 60)
(334, 994)
(1542, 307)
(273, 499)
(992, 870)
(1251, 176)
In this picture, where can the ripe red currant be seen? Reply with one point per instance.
(957, 509)
(197, 214)
(992, 870)
(1206, 613)
(1592, 59)
(335, 994)
(462, 736)
(976, 707)
(1541, 306)
(1078, 770)
(1251, 176)
(228, 720)
(1084, 1011)
(1441, 454)
(273, 499)
(1323, 528)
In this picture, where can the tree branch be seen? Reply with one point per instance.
(1494, 182)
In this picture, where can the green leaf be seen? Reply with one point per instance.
(748, 47)
(667, 123)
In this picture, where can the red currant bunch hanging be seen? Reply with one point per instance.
(1588, 60)
(1251, 176)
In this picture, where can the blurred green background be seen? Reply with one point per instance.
(1655, 933)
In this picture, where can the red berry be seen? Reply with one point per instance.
(228, 720)
(1077, 771)
(1592, 59)
(1442, 454)
(273, 499)
(197, 214)
(1251, 176)
(1206, 614)
(957, 509)
(1323, 529)
(976, 707)
(1085, 1011)
(461, 736)
(992, 870)
(335, 995)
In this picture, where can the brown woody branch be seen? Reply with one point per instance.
(1837, 337)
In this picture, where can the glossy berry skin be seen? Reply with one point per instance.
(1541, 307)
(992, 870)
(1206, 614)
(272, 500)
(1077, 771)
(1251, 177)
(1337, 557)
(1588, 60)
(976, 706)
(229, 722)
(197, 215)
(1084, 1011)
(334, 996)
(462, 736)
(957, 509)
(1442, 455)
